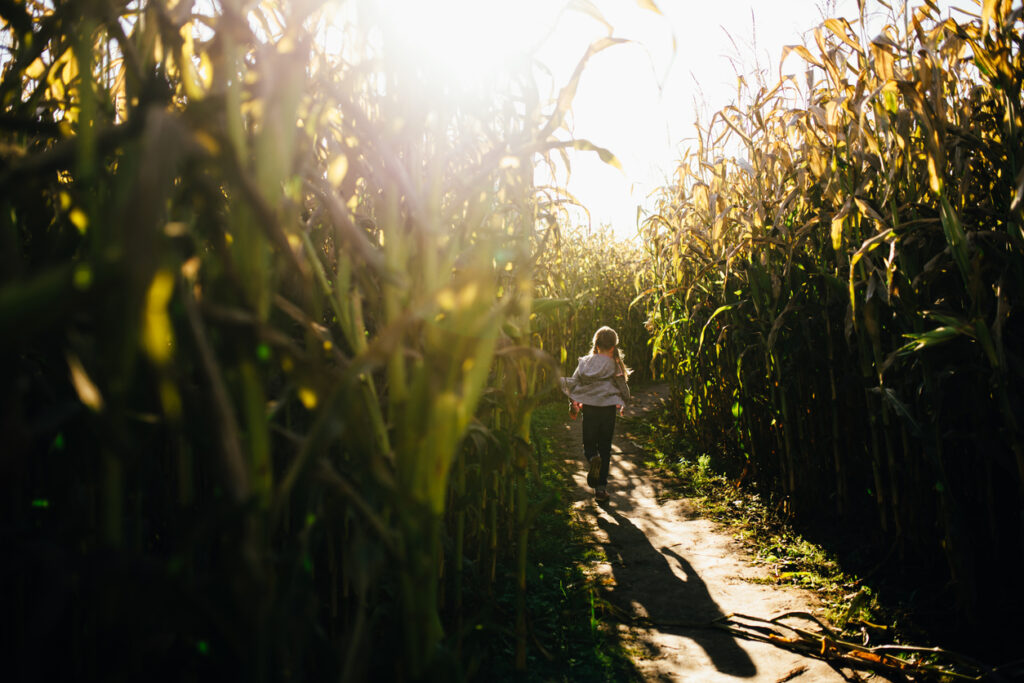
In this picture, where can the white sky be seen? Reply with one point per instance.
(619, 105)
(638, 99)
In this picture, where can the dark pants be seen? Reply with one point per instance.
(598, 427)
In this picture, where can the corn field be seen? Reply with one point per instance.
(836, 279)
(277, 311)
(266, 312)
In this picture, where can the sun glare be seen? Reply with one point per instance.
(461, 42)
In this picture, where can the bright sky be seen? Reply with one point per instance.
(640, 100)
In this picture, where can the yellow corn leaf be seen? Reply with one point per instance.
(605, 155)
(837, 225)
(833, 115)
(871, 244)
(817, 162)
(205, 70)
(173, 72)
(69, 71)
(827, 61)
(867, 210)
(36, 69)
(985, 60)
(648, 5)
(207, 141)
(735, 128)
(79, 219)
(590, 9)
(568, 92)
(988, 13)
(56, 89)
(837, 231)
(157, 333)
(337, 170)
(192, 81)
(803, 52)
(884, 62)
(842, 29)
(158, 49)
(872, 142)
(934, 172)
(308, 397)
(86, 389)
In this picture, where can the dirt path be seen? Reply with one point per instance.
(669, 566)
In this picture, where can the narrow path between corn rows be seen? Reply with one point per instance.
(667, 566)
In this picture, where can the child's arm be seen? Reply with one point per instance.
(623, 388)
(567, 384)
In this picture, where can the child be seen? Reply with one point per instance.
(598, 388)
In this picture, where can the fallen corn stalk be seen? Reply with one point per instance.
(918, 663)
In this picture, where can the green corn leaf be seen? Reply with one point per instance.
(720, 310)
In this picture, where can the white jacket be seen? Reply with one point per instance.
(596, 382)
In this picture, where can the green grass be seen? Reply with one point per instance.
(571, 638)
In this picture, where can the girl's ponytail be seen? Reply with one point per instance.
(620, 363)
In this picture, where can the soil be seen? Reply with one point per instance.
(670, 572)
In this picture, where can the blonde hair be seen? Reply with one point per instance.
(606, 338)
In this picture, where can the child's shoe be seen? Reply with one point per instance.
(574, 409)
(601, 494)
(594, 472)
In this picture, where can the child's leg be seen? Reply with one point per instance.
(605, 430)
(591, 441)
(591, 433)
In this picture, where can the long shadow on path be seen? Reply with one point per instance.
(647, 578)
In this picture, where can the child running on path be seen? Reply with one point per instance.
(599, 389)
